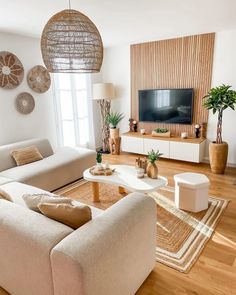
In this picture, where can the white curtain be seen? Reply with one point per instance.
(73, 109)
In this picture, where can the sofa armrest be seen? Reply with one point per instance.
(26, 240)
(112, 254)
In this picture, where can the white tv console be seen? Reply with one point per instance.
(190, 149)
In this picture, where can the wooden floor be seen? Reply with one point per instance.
(215, 271)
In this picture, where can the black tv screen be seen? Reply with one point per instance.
(166, 106)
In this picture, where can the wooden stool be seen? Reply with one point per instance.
(115, 145)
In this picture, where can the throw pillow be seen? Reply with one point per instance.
(26, 155)
(4, 195)
(33, 200)
(71, 215)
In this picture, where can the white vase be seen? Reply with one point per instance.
(99, 166)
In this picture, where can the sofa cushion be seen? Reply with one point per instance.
(16, 190)
(26, 155)
(4, 180)
(72, 215)
(6, 160)
(61, 168)
(32, 201)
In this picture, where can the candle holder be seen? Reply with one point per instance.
(197, 130)
(135, 125)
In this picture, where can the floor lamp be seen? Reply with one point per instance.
(103, 93)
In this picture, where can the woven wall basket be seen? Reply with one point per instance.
(25, 103)
(39, 79)
(71, 43)
(11, 70)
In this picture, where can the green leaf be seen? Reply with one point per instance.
(114, 118)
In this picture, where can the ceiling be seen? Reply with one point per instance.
(125, 21)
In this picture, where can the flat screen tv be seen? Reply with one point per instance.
(166, 106)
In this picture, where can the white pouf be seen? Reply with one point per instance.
(191, 191)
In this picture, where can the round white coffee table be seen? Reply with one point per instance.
(125, 178)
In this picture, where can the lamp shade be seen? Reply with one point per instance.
(71, 43)
(103, 91)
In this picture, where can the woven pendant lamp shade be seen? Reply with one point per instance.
(71, 43)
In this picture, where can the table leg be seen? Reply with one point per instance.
(95, 188)
(121, 190)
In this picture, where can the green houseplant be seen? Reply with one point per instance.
(152, 170)
(113, 119)
(99, 160)
(161, 130)
(219, 99)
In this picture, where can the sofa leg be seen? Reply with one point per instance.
(95, 188)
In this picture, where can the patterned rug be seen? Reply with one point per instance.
(181, 235)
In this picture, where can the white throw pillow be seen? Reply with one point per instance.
(33, 200)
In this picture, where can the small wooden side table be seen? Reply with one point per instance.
(114, 144)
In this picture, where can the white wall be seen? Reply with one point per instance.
(41, 122)
(224, 71)
(116, 69)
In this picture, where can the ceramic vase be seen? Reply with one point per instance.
(114, 132)
(218, 153)
(152, 170)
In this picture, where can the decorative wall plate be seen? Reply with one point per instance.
(25, 103)
(39, 79)
(11, 70)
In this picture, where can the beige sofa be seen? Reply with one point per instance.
(55, 170)
(110, 255)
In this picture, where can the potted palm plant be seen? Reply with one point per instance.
(219, 99)
(113, 119)
(152, 170)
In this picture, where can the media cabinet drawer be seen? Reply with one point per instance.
(155, 144)
(132, 144)
(185, 151)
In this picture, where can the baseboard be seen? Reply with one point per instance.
(206, 160)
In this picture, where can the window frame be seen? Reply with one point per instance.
(58, 114)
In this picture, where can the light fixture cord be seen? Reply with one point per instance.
(69, 5)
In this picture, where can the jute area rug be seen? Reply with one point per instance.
(181, 235)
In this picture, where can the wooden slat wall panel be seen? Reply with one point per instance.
(176, 63)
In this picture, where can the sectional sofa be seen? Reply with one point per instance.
(110, 255)
(57, 169)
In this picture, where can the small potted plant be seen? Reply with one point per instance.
(99, 161)
(219, 99)
(113, 119)
(152, 170)
(162, 132)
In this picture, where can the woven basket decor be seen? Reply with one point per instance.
(11, 70)
(25, 103)
(71, 43)
(39, 79)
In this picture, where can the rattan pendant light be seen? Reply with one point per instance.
(71, 43)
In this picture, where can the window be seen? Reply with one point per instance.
(73, 109)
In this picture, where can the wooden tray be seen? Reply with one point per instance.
(95, 171)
